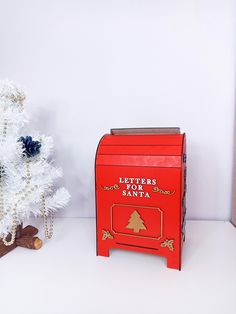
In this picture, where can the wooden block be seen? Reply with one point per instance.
(29, 231)
(24, 238)
(29, 242)
(6, 249)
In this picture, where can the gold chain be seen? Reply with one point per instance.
(48, 226)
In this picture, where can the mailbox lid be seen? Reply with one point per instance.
(157, 145)
(143, 140)
(159, 150)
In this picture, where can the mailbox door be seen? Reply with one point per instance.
(138, 208)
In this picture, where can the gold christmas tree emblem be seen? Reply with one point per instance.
(135, 222)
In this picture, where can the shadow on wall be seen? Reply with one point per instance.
(233, 191)
(48, 122)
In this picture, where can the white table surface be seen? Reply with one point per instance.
(66, 277)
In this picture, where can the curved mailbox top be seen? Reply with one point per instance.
(155, 150)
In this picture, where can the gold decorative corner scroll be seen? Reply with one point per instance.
(169, 244)
(111, 188)
(106, 235)
(156, 189)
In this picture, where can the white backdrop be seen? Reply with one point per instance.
(92, 65)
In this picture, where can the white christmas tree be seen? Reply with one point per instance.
(26, 173)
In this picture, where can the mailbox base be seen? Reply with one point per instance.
(172, 262)
(103, 252)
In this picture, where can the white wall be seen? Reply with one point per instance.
(92, 65)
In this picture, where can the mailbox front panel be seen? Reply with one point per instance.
(139, 209)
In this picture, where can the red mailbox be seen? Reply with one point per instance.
(140, 192)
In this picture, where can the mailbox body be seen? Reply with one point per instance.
(140, 194)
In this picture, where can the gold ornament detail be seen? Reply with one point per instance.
(19, 97)
(136, 223)
(156, 189)
(111, 188)
(106, 235)
(169, 244)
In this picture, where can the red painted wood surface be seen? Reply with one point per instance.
(174, 150)
(140, 194)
